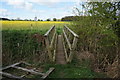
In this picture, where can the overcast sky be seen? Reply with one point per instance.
(43, 9)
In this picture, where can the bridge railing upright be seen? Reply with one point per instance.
(70, 39)
(51, 41)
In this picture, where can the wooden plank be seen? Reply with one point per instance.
(10, 75)
(54, 55)
(73, 49)
(66, 56)
(71, 31)
(47, 33)
(74, 43)
(47, 73)
(53, 39)
(11, 66)
(70, 56)
(7, 67)
(50, 35)
(24, 75)
(31, 71)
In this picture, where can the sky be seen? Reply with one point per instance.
(42, 9)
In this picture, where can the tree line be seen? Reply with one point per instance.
(66, 18)
(18, 19)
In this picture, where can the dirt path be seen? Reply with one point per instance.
(60, 58)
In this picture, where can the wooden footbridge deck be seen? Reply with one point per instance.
(60, 57)
(61, 48)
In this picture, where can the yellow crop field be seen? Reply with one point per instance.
(35, 25)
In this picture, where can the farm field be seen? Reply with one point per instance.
(31, 25)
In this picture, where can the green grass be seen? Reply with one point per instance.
(75, 69)
(72, 70)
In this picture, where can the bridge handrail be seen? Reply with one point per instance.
(74, 34)
(48, 32)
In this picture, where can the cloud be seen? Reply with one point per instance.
(37, 11)
(3, 12)
(62, 14)
(56, 1)
(19, 4)
(53, 2)
(29, 4)
(35, 7)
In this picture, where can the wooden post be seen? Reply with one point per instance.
(73, 49)
(48, 48)
(54, 55)
(50, 37)
(66, 56)
(11, 76)
(74, 43)
(47, 73)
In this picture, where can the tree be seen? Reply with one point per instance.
(58, 19)
(67, 18)
(30, 20)
(54, 19)
(12, 19)
(105, 13)
(48, 20)
(39, 20)
(26, 20)
(4, 19)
